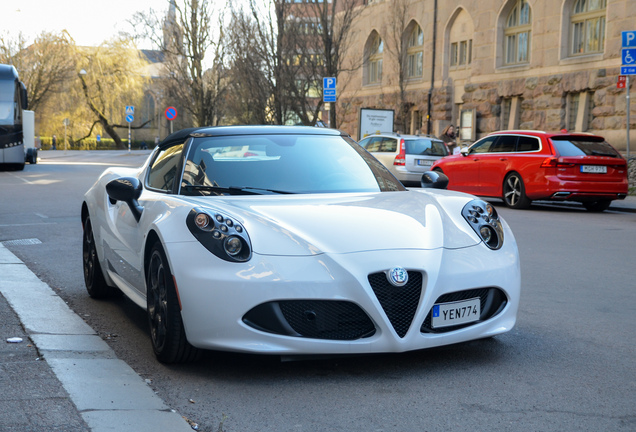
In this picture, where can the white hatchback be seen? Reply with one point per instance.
(406, 156)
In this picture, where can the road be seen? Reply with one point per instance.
(569, 364)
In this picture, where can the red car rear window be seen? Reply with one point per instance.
(571, 146)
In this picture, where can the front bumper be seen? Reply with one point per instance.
(215, 296)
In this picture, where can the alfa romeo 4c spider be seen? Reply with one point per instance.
(295, 240)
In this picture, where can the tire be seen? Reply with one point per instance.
(167, 333)
(514, 192)
(597, 206)
(93, 277)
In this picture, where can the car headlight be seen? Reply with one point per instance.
(220, 234)
(483, 217)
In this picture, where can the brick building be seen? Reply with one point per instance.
(488, 65)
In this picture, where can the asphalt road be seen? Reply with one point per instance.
(569, 364)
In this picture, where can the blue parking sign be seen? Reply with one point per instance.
(629, 39)
(629, 57)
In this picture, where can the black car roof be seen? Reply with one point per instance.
(183, 134)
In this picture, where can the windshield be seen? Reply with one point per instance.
(265, 164)
(572, 146)
(425, 147)
(7, 102)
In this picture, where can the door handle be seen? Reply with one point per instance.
(503, 159)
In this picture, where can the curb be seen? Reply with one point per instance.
(108, 393)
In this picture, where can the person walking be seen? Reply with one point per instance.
(449, 137)
(54, 143)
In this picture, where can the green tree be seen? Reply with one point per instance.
(111, 77)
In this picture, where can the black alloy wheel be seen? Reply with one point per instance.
(164, 315)
(514, 192)
(93, 277)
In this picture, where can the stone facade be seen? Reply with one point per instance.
(548, 89)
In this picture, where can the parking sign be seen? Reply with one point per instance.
(329, 89)
(629, 39)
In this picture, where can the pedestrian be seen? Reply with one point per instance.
(54, 143)
(449, 137)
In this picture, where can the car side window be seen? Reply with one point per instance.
(389, 145)
(504, 143)
(165, 168)
(527, 143)
(372, 144)
(483, 146)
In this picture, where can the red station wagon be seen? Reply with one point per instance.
(521, 166)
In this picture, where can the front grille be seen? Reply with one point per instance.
(399, 303)
(492, 302)
(316, 319)
(327, 319)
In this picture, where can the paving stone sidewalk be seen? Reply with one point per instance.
(31, 396)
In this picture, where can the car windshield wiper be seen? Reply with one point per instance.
(246, 188)
(232, 190)
(600, 153)
(218, 190)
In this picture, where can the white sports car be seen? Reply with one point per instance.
(294, 240)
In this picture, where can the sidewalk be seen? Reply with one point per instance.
(62, 376)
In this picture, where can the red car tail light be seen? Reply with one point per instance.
(553, 162)
(400, 159)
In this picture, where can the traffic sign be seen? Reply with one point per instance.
(629, 57)
(629, 39)
(628, 70)
(130, 118)
(329, 89)
(99, 138)
(171, 113)
(130, 109)
(622, 82)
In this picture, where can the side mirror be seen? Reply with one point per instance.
(434, 180)
(24, 98)
(464, 151)
(128, 190)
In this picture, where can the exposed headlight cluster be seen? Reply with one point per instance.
(220, 234)
(485, 221)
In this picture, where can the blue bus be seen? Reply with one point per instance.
(13, 102)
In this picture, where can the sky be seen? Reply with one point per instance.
(89, 22)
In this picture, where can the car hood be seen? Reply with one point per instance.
(347, 223)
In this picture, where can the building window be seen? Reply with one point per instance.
(588, 26)
(517, 34)
(373, 63)
(414, 54)
(579, 111)
(511, 112)
(461, 53)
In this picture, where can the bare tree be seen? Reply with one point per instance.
(186, 39)
(398, 48)
(248, 97)
(45, 66)
(335, 34)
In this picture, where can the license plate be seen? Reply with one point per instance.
(596, 169)
(424, 162)
(455, 313)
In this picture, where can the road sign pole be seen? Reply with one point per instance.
(129, 137)
(628, 110)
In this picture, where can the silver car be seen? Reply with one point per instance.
(406, 156)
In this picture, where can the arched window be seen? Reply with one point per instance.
(148, 112)
(588, 26)
(414, 52)
(373, 59)
(517, 34)
(460, 38)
